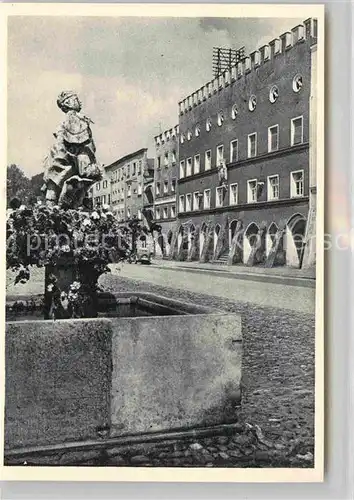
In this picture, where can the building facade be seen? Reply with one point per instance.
(127, 187)
(244, 140)
(100, 192)
(165, 187)
(128, 177)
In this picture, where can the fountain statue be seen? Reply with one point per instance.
(71, 166)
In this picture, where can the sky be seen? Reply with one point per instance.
(130, 74)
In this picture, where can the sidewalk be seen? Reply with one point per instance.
(285, 275)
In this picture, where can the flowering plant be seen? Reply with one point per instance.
(52, 236)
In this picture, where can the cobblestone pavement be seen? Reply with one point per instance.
(278, 372)
(241, 449)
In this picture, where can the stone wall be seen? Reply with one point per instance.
(78, 380)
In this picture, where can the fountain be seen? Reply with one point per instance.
(97, 366)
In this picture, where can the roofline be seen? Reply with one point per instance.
(126, 157)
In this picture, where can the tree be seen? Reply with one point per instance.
(36, 183)
(17, 184)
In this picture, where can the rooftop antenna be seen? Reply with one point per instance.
(224, 59)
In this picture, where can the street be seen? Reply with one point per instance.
(295, 298)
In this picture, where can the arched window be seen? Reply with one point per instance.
(208, 125)
(234, 112)
(273, 94)
(252, 103)
(220, 118)
(297, 83)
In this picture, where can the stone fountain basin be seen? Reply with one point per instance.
(151, 364)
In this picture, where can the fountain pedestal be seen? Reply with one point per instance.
(161, 366)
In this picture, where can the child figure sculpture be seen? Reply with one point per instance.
(71, 167)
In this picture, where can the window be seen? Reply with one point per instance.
(252, 103)
(220, 118)
(189, 167)
(173, 211)
(181, 138)
(165, 213)
(207, 198)
(128, 213)
(129, 190)
(157, 188)
(104, 184)
(297, 184)
(296, 131)
(134, 168)
(208, 160)
(173, 185)
(234, 150)
(219, 154)
(165, 160)
(219, 197)
(188, 202)
(208, 125)
(252, 145)
(252, 191)
(233, 194)
(273, 187)
(297, 83)
(189, 135)
(196, 201)
(140, 189)
(128, 171)
(103, 199)
(139, 168)
(234, 112)
(159, 162)
(165, 186)
(181, 203)
(109, 199)
(273, 138)
(273, 94)
(196, 164)
(140, 216)
(173, 157)
(197, 130)
(98, 186)
(157, 213)
(182, 169)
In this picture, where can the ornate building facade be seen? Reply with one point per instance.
(244, 146)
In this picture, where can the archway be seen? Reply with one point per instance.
(202, 236)
(168, 242)
(217, 230)
(232, 230)
(160, 246)
(294, 242)
(271, 233)
(250, 240)
(190, 235)
(179, 238)
(142, 242)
